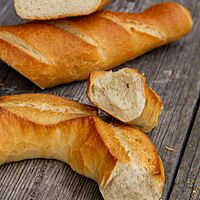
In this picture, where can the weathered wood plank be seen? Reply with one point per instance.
(44, 179)
(8, 15)
(173, 71)
(187, 183)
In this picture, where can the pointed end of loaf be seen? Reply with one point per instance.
(174, 20)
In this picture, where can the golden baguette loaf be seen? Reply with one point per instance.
(54, 9)
(126, 96)
(62, 51)
(121, 159)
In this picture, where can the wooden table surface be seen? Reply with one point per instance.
(173, 71)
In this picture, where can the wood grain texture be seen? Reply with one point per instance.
(173, 71)
(187, 183)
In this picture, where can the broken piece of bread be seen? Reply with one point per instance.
(54, 9)
(126, 96)
(121, 159)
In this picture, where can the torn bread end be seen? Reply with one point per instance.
(125, 95)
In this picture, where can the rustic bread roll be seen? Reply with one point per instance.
(54, 9)
(62, 51)
(122, 160)
(59, 52)
(126, 96)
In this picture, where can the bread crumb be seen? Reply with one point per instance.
(169, 148)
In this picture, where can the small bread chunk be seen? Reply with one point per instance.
(125, 96)
(54, 9)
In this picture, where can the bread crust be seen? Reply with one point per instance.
(153, 103)
(58, 52)
(153, 108)
(98, 7)
(89, 145)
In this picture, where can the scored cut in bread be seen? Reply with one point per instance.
(61, 51)
(126, 96)
(121, 159)
(54, 9)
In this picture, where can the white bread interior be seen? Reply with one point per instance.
(120, 94)
(53, 9)
(125, 95)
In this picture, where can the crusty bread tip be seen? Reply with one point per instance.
(122, 160)
(54, 9)
(58, 52)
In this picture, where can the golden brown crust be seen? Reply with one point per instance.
(45, 109)
(140, 145)
(59, 69)
(162, 17)
(100, 6)
(53, 54)
(89, 145)
(73, 145)
(109, 138)
(153, 108)
(71, 141)
(47, 99)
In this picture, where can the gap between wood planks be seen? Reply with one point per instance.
(4, 75)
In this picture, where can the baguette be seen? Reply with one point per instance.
(62, 51)
(122, 160)
(126, 96)
(54, 9)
